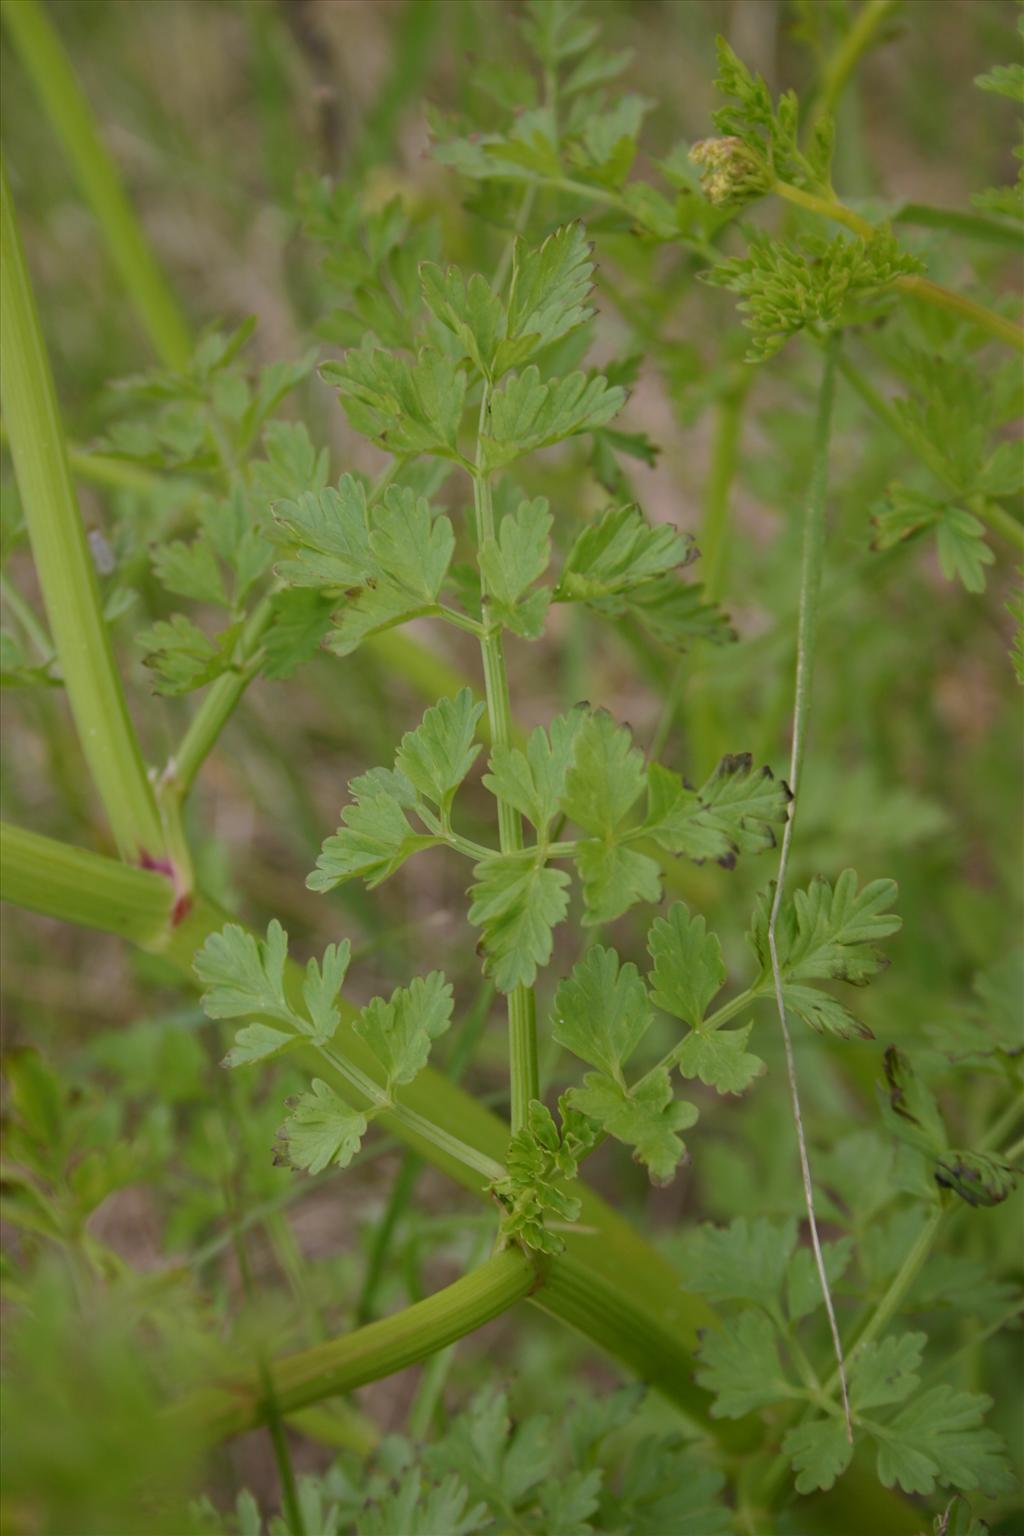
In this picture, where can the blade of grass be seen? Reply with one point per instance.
(63, 563)
(71, 118)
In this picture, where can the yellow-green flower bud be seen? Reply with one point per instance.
(731, 172)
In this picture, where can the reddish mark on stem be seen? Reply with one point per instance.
(183, 899)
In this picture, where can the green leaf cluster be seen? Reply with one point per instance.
(571, 1476)
(816, 285)
(381, 562)
(589, 771)
(244, 977)
(913, 1115)
(921, 1438)
(375, 836)
(827, 933)
(623, 565)
(541, 1158)
(225, 565)
(601, 1014)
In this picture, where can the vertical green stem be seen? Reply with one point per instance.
(71, 118)
(524, 1076)
(64, 566)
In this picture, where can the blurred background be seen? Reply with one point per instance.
(218, 114)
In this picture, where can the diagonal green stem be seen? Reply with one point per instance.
(911, 283)
(71, 118)
(370, 1353)
(644, 1288)
(840, 65)
(610, 1284)
(64, 566)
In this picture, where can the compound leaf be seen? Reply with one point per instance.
(740, 1364)
(375, 837)
(438, 754)
(243, 974)
(619, 552)
(533, 782)
(322, 1129)
(688, 966)
(517, 903)
(526, 414)
(720, 1059)
(405, 407)
(401, 1030)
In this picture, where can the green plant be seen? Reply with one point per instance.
(459, 379)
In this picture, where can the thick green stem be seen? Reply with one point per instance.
(64, 566)
(380, 1349)
(606, 1246)
(610, 1284)
(72, 120)
(522, 1019)
(912, 283)
(82, 887)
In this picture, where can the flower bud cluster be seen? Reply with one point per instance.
(731, 171)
